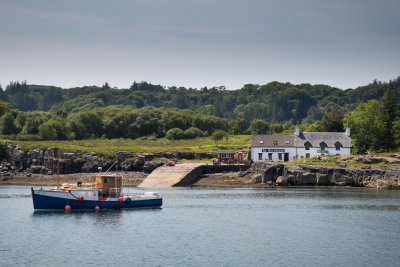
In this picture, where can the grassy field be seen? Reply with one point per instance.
(108, 147)
(344, 161)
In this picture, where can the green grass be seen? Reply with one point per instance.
(108, 147)
(334, 161)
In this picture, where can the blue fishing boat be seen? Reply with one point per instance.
(105, 193)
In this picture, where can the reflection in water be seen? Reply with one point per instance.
(14, 196)
(103, 216)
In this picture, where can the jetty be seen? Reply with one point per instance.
(178, 175)
(184, 174)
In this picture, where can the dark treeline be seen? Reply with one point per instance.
(48, 112)
(274, 102)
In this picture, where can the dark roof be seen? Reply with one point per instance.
(315, 138)
(278, 140)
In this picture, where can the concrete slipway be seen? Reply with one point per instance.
(178, 175)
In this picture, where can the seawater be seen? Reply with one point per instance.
(210, 227)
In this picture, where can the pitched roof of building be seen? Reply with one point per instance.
(275, 140)
(315, 138)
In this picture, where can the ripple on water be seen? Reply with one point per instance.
(210, 227)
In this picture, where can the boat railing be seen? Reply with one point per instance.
(115, 192)
(80, 186)
(88, 185)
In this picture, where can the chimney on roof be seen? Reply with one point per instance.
(297, 131)
(348, 132)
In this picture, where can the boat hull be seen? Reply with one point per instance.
(57, 200)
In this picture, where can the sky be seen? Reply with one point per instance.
(342, 43)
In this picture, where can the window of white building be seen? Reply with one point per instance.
(307, 145)
(323, 145)
(338, 145)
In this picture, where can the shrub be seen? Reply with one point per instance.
(28, 137)
(175, 134)
(54, 129)
(218, 136)
(193, 132)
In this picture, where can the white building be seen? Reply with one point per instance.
(280, 147)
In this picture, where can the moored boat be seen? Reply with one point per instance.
(105, 193)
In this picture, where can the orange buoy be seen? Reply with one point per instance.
(97, 208)
(80, 198)
(67, 208)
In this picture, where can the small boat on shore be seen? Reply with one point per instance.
(105, 193)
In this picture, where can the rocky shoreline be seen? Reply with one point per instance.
(308, 175)
(50, 161)
(40, 167)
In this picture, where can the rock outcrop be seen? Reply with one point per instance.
(52, 161)
(307, 175)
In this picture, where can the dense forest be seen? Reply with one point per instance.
(35, 112)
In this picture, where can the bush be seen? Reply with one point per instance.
(54, 129)
(259, 127)
(218, 136)
(175, 134)
(193, 132)
(28, 137)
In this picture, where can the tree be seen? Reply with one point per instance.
(93, 125)
(54, 129)
(333, 121)
(20, 96)
(7, 125)
(259, 127)
(78, 130)
(105, 86)
(367, 127)
(4, 107)
(32, 122)
(238, 126)
(276, 128)
(251, 111)
(389, 108)
(175, 134)
(193, 132)
(218, 136)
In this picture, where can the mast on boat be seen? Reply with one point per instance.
(58, 170)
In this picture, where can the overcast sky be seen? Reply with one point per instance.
(342, 43)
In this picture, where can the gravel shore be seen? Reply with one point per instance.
(130, 179)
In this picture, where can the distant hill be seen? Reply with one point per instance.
(274, 102)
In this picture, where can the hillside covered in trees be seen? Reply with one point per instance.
(34, 112)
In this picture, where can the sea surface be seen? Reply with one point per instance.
(210, 227)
